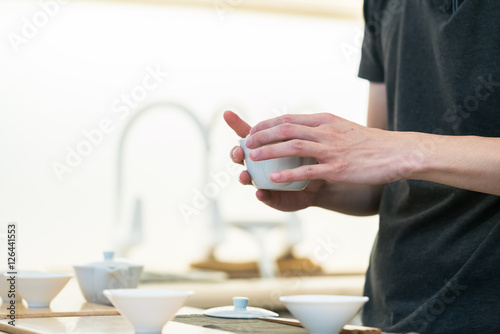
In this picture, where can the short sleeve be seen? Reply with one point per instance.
(371, 66)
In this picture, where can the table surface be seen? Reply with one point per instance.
(95, 325)
(265, 293)
(71, 300)
(261, 292)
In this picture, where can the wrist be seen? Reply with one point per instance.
(420, 149)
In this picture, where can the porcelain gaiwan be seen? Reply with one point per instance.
(96, 277)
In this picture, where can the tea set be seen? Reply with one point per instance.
(260, 170)
(111, 282)
(115, 283)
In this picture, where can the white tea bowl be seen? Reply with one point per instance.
(260, 170)
(39, 288)
(147, 309)
(323, 314)
(6, 291)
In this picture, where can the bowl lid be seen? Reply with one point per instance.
(239, 310)
(110, 263)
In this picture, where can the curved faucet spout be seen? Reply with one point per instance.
(123, 247)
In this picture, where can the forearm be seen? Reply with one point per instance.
(467, 162)
(351, 199)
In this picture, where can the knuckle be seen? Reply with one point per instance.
(342, 166)
(327, 117)
(338, 170)
(324, 152)
(285, 130)
(286, 118)
(297, 146)
(308, 172)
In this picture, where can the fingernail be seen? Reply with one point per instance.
(276, 176)
(233, 153)
(249, 141)
(254, 154)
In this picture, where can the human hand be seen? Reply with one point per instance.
(242, 129)
(280, 200)
(346, 152)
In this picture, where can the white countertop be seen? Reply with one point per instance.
(264, 292)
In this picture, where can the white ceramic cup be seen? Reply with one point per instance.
(39, 288)
(260, 170)
(5, 288)
(148, 310)
(323, 314)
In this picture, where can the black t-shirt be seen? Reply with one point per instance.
(435, 265)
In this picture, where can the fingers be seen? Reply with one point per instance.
(302, 173)
(237, 155)
(307, 120)
(280, 133)
(239, 126)
(302, 148)
(245, 178)
(264, 196)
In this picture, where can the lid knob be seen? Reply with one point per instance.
(240, 303)
(239, 310)
(108, 256)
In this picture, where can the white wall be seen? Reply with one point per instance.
(65, 77)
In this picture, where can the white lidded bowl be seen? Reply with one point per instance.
(260, 170)
(147, 309)
(39, 288)
(96, 277)
(323, 314)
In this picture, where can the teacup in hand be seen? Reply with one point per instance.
(260, 170)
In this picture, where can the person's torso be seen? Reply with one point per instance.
(436, 262)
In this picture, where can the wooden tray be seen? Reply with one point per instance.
(348, 329)
(68, 303)
(62, 309)
(94, 325)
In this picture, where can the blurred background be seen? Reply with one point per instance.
(112, 137)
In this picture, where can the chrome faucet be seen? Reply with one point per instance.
(133, 236)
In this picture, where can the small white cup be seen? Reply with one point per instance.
(260, 170)
(323, 314)
(148, 310)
